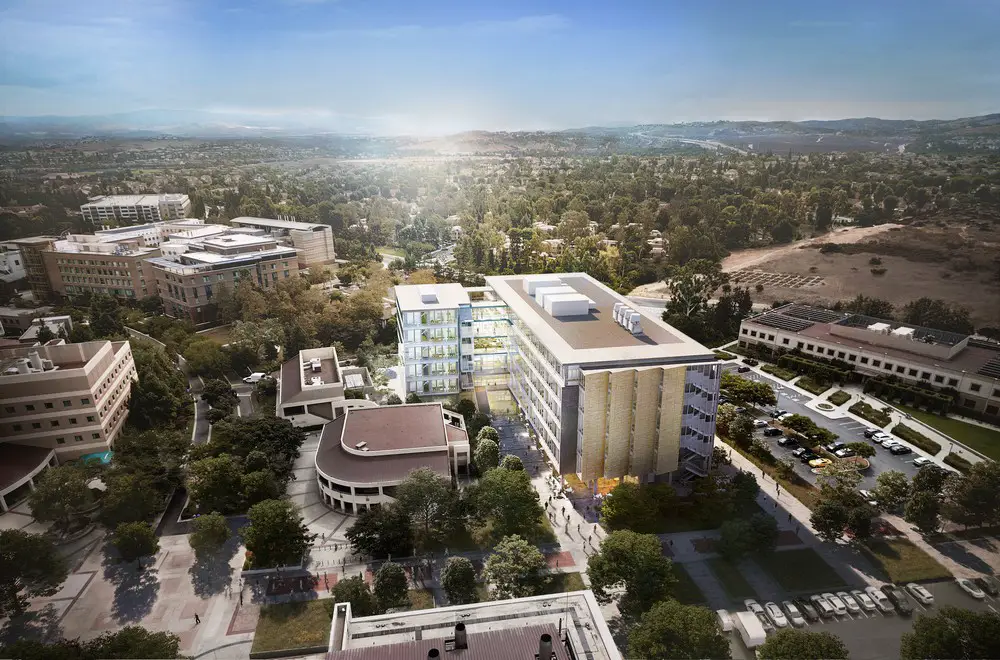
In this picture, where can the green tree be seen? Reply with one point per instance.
(508, 500)
(206, 358)
(429, 501)
(219, 394)
(793, 644)
(514, 569)
(259, 486)
(739, 537)
(129, 642)
(130, 497)
(953, 632)
(30, 567)
(134, 540)
(741, 430)
(390, 586)
(276, 535)
(628, 507)
(458, 579)
(382, 532)
(892, 488)
(635, 563)
(929, 479)
(875, 307)
(211, 531)
(159, 455)
(353, 590)
(748, 391)
(393, 400)
(106, 317)
(974, 497)
(923, 510)
(691, 286)
(511, 462)
(672, 630)
(59, 493)
(859, 520)
(487, 455)
(215, 483)
(160, 399)
(829, 519)
(938, 314)
(862, 449)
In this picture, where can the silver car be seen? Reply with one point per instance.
(838, 605)
(793, 613)
(852, 605)
(881, 601)
(775, 614)
(822, 606)
(864, 600)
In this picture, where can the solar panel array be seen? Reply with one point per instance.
(991, 369)
(817, 314)
(783, 322)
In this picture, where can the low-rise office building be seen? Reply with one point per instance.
(133, 209)
(59, 401)
(365, 453)
(15, 320)
(35, 270)
(313, 241)
(313, 388)
(883, 347)
(566, 626)
(610, 391)
(11, 268)
(100, 264)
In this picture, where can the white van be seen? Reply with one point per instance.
(255, 377)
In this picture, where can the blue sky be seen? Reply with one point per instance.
(438, 66)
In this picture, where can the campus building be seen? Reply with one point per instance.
(188, 282)
(882, 347)
(35, 271)
(15, 320)
(11, 268)
(610, 391)
(114, 265)
(313, 388)
(365, 453)
(59, 402)
(566, 626)
(133, 209)
(313, 241)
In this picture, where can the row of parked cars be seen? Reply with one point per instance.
(887, 599)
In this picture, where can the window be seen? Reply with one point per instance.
(29, 407)
(60, 441)
(54, 422)
(996, 392)
(969, 403)
(48, 405)
(95, 436)
(36, 425)
(67, 404)
(900, 369)
(84, 402)
(77, 438)
(10, 410)
(975, 387)
(784, 340)
(798, 345)
(770, 337)
(852, 358)
(753, 333)
(840, 354)
(864, 360)
(830, 351)
(809, 347)
(72, 420)
(992, 410)
(743, 331)
(17, 427)
(888, 366)
(952, 382)
(912, 372)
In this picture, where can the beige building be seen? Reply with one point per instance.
(35, 271)
(16, 320)
(313, 387)
(314, 242)
(83, 263)
(59, 401)
(134, 209)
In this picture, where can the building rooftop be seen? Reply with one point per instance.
(18, 461)
(135, 200)
(195, 262)
(394, 428)
(279, 224)
(423, 297)
(594, 336)
(298, 374)
(237, 240)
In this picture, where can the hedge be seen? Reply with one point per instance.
(916, 438)
(958, 462)
(812, 368)
(910, 395)
(865, 411)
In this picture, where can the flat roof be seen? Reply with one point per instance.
(390, 428)
(237, 240)
(279, 224)
(295, 374)
(135, 200)
(448, 296)
(595, 337)
(504, 644)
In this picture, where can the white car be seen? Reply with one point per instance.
(785, 416)
(754, 608)
(881, 601)
(852, 605)
(868, 497)
(969, 587)
(921, 594)
(793, 613)
(864, 600)
(838, 605)
(889, 443)
(759, 423)
(822, 606)
(921, 461)
(775, 614)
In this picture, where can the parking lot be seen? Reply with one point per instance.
(847, 428)
(873, 636)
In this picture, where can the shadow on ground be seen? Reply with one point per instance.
(959, 554)
(40, 624)
(136, 586)
(211, 574)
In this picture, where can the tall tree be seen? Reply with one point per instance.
(672, 630)
(215, 483)
(106, 317)
(953, 633)
(59, 493)
(514, 569)
(635, 563)
(511, 462)
(390, 586)
(508, 500)
(692, 285)
(276, 535)
(130, 497)
(30, 567)
(382, 532)
(829, 519)
(355, 591)
(924, 511)
(428, 499)
(160, 399)
(891, 490)
(938, 314)
(793, 644)
(974, 497)
(458, 579)
(134, 540)
(486, 456)
(211, 531)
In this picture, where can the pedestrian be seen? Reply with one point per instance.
(197, 619)
(241, 599)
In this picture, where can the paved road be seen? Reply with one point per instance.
(848, 429)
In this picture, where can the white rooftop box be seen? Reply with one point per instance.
(906, 333)
(428, 294)
(571, 304)
(542, 292)
(531, 284)
(879, 327)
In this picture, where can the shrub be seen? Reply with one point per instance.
(831, 247)
(958, 462)
(916, 438)
(874, 261)
(879, 271)
(866, 412)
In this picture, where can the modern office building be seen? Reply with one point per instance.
(313, 388)
(112, 264)
(882, 347)
(313, 241)
(133, 209)
(567, 626)
(188, 282)
(365, 453)
(35, 271)
(59, 401)
(610, 391)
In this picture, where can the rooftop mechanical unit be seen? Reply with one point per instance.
(628, 318)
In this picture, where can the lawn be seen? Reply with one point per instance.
(778, 372)
(732, 580)
(394, 251)
(722, 355)
(902, 562)
(562, 582)
(873, 415)
(800, 571)
(219, 335)
(916, 438)
(839, 398)
(686, 591)
(985, 441)
(811, 385)
(302, 625)
(420, 599)
(800, 489)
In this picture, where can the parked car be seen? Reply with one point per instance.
(820, 462)
(921, 461)
(881, 602)
(752, 362)
(754, 608)
(759, 424)
(775, 614)
(778, 413)
(838, 605)
(742, 369)
(834, 446)
(870, 433)
(823, 606)
(864, 600)
(880, 438)
(920, 593)
(970, 587)
(793, 613)
(852, 605)
(869, 497)
(788, 442)
(808, 457)
(807, 609)
(846, 452)
(988, 585)
(899, 450)
(771, 432)
(785, 416)
(889, 443)
(255, 377)
(898, 598)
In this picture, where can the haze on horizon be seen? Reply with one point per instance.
(392, 66)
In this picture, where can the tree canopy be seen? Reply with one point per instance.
(794, 644)
(635, 563)
(672, 630)
(514, 568)
(30, 567)
(952, 632)
(276, 535)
